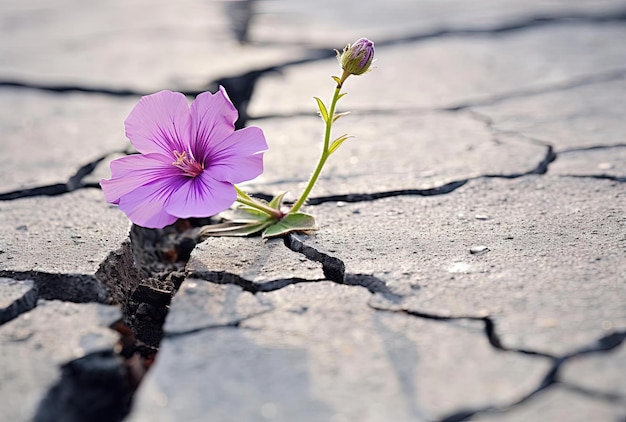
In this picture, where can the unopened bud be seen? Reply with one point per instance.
(356, 59)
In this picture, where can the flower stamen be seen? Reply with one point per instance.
(187, 164)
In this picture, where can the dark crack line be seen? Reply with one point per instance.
(376, 285)
(582, 81)
(224, 277)
(614, 16)
(540, 169)
(574, 83)
(75, 182)
(67, 89)
(230, 324)
(587, 392)
(334, 269)
(489, 328)
(604, 344)
(366, 197)
(241, 87)
(620, 179)
(591, 148)
(19, 306)
(77, 288)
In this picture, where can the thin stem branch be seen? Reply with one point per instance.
(323, 157)
(277, 214)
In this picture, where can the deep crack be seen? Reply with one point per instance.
(78, 288)
(225, 277)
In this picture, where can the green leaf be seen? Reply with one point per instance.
(338, 115)
(337, 143)
(341, 95)
(323, 110)
(296, 222)
(277, 201)
(233, 229)
(336, 79)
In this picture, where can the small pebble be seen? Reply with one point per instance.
(479, 250)
(481, 217)
(605, 166)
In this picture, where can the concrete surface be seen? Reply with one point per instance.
(471, 257)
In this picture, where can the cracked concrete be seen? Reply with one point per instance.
(471, 259)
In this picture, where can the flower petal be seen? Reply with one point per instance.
(160, 123)
(201, 196)
(236, 169)
(133, 171)
(145, 206)
(239, 157)
(213, 119)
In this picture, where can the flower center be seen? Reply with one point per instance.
(187, 164)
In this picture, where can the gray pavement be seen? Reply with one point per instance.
(471, 257)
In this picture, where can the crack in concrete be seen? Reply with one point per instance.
(77, 288)
(604, 344)
(551, 378)
(75, 182)
(225, 277)
(551, 155)
(614, 16)
(592, 79)
(489, 327)
(596, 394)
(21, 305)
(366, 197)
(619, 179)
(541, 168)
(230, 324)
(577, 82)
(241, 87)
(591, 148)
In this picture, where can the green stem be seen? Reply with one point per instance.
(324, 156)
(277, 214)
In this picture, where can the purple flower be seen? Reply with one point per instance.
(189, 161)
(357, 58)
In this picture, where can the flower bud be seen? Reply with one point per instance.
(356, 59)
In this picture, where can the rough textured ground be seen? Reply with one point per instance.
(471, 262)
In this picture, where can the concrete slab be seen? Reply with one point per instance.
(145, 46)
(391, 152)
(581, 117)
(609, 162)
(559, 405)
(36, 344)
(201, 305)
(48, 137)
(452, 71)
(324, 22)
(598, 373)
(16, 297)
(551, 263)
(538, 278)
(60, 242)
(321, 353)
